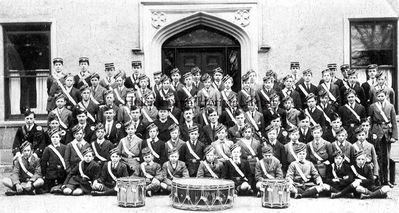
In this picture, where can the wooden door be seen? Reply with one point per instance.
(206, 59)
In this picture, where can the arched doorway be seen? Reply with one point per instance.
(206, 48)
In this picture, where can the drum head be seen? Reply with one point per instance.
(131, 180)
(199, 182)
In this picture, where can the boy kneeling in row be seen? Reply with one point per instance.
(79, 181)
(111, 171)
(26, 177)
(174, 168)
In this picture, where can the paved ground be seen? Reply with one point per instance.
(53, 203)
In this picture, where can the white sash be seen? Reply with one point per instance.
(237, 168)
(314, 152)
(161, 94)
(356, 173)
(96, 152)
(23, 167)
(265, 95)
(125, 149)
(207, 95)
(263, 167)
(325, 115)
(345, 84)
(139, 93)
(252, 121)
(81, 171)
(205, 119)
(310, 117)
(303, 90)
(59, 119)
(169, 145)
(209, 169)
(356, 147)
(66, 92)
(170, 173)
(332, 97)
(245, 93)
(284, 93)
(58, 155)
(304, 178)
(93, 99)
(77, 149)
(379, 107)
(186, 91)
(339, 149)
(190, 149)
(231, 115)
(291, 150)
(333, 171)
(221, 151)
(224, 96)
(353, 111)
(88, 113)
(173, 118)
(152, 150)
(82, 79)
(250, 149)
(146, 115)
(110, 171)
(118, 96)
(143, 169)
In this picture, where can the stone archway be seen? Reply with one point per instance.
(248, 49)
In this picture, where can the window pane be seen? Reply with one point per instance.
(372, 43)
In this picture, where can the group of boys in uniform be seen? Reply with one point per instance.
(329, 139)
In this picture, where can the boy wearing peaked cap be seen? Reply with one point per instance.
(26, 177)
(172, 169)
(130, 148)
(83, 77)
(80, 179)
(155, 145)
(295, 70)
(269, 167)
(101, 146)
(222, 144)
(293, 134)
(329, 86)
(110, 172)
(263, 94)
(64, 115)
(54, 81)
(192, 151)
(53, 163)
(238, 170)
(217, 79)
(210, 167)
(74, 149)
(302, 175)
(132, 80)
(108, 82)
(187, 90)
(151, 171)
(97, 90)
(30, 131)
(227, 92)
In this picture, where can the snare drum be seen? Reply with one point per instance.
(131, 192)
(202, 194)
(276, 194)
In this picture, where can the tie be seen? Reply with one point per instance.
(80, 145)
(108, 130)
(307, 87)
(213, 132)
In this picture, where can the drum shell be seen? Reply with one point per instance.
(276, 194)
(131, 192)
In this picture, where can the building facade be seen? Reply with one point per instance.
(236, 35)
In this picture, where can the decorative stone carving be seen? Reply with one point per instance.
(242, 17)
(158, 19)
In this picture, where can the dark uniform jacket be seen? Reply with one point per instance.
(32, 164)
(216, 167)
(191, 162)
(272, 167)
(71, 157)
(180, 171)
(344, 174)
(159, 147)
(34, 136)
(230, 172)
(119, 171)
(51, 165)
(91, 170)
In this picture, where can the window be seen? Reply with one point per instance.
(27, 65)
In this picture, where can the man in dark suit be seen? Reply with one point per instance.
(188, 122)
(109, 104)
(88, 129)
(132, 80)
(306, 87)
(209, 131)
(137, 122)
(87, 104)
(113, 129)
(156, 146)
(163, 122)
(83, 77)
(192, 151)
(315, 115)
(305, 133)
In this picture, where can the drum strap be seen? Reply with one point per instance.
(96, 152)
(81, 170)
(173, 118)
(110, 171)
(314, 153)
(333, 171)
(353, 112)
(237, 168)
(74, 146)
(333, 99)
(205, 119)
(59, 119)
(298, 169)
(146, 115)
(310, 117)
(265, 95)
(118, 96)
(252, 121)
(23, 167)
(125, 149)
(324, 114)
(291, 149)
(209, 169)
(190, 149)
(169, 172)
(303, 90)
(88, 113)
(152, 150)
(230, 115)
(356, 173)
(262, 165)
(58, 155)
